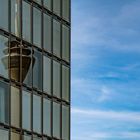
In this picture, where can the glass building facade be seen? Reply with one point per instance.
(35, 69)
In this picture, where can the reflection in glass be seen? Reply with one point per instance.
(36, 113)
(28, 77)
(4, 14)
(38, 1)
(47, 33)
(56, 6)
(26, 21)
(47, 74)
(45, 138)
(14, 60)
(46, 116)
(3, 61)
(47, 4)
(4, 102)
(37, 27)
(65, 43)
(15, 49)
(4, 134)
(27, 137)
(26, 110)
(37, 70)
(15, 106)
(65, 123)
(56, 79)
(36, 138)
(65, 9)
(15, 17)
(56, 120)
(65, 83)
(56, 38)
(15, 136)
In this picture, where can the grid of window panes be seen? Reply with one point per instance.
(35, 105)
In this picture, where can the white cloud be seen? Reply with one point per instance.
(108, 135)
(90, 34)
(92, 89)
(109, 32)
(83, 88)
(106, 94)
(104, 124)
(106, 114)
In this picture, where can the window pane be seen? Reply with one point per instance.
(65, 123)
(3, 57)
(65, 83)
(37, 138)
(26, 110)
(37, 27)
(15, 136)
(56, 38)
(15, 17)
(47, 117)
(27, 137)
(26, 21)
(4, 102)
(47, 33)
(4, 134)
(27, 65)
(47, 4)
(37, 113)
(4, 14)
(56, 6)
(56, 79)
(37, 70)
(47, 75)
(15, 106)
(65, 43)
(66, 9)
(56, 120)
(38, 1)
(45, 139)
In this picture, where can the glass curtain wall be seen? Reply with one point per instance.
(3, 60)
(4, 16)
(4, 102)
(26, 21)
(15, 106)
(34, 69)
(4, 134)
(15, 17)
(26, 110)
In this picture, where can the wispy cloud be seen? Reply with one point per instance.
(105, 70)
(106, 114)
(92, 89)
(95, 90)
(105, 124)
(109, 136)
(98, 31)
(130, 67)
(106, 94)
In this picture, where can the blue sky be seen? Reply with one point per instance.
(105, 70)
